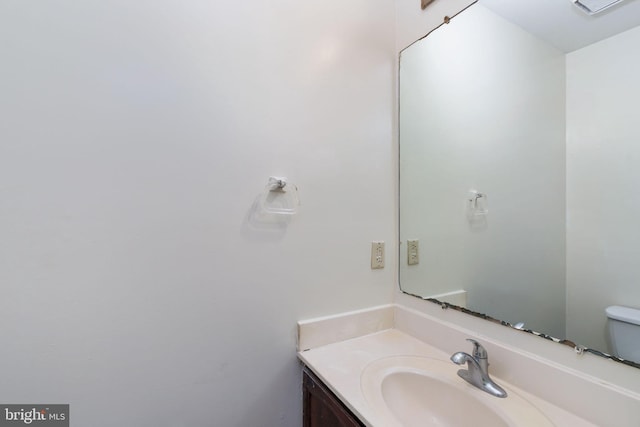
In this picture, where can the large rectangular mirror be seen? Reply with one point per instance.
(519, 162)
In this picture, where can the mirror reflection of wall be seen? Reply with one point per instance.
(482, 108)
(546, 137)
(603, 173)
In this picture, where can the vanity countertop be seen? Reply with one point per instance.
(340, 364)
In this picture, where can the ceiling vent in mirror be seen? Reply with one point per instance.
(592, 7)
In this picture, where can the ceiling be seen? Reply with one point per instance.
(563, 24)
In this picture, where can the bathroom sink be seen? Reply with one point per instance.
(411, 391)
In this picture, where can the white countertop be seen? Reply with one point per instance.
(340, 364)
(339, 348)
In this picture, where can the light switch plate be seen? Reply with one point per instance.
(377, 255)
(413, 252)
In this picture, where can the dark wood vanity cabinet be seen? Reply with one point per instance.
(321, 408)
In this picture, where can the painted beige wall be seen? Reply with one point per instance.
(135, 137)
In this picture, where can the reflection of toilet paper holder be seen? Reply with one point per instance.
(478, 203)
(280, 197)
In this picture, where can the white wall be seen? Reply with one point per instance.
(500, 135)
(603, 155)
(135, 137)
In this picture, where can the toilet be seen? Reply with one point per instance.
(624, 331)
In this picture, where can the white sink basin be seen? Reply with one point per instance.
(413, 391)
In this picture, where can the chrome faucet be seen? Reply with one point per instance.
(477, 372)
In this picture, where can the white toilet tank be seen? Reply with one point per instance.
(624, 332)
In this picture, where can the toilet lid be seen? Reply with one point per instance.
(624, 314)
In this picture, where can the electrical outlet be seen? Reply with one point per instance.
(377, 255)
(413, 252)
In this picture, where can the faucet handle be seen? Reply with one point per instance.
(479, 352)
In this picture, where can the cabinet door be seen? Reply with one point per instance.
(321, 408)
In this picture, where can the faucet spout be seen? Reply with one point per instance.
(477, 373)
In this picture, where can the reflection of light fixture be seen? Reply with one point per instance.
(594, 6)
(426, 3)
